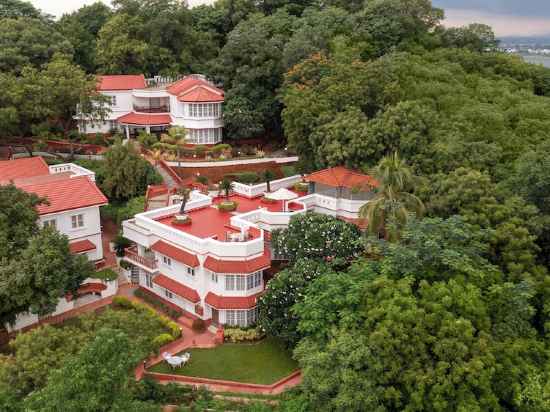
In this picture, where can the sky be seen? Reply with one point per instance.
(507, 17)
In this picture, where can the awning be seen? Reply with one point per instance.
(282, 194)
(232, 302)
(176, 253)
(175, 287)
(81, 246)
(238, 266)
(145, 119)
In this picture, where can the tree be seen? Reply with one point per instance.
(13, 9)
(476, 37)
(18, 220)
(184, 193)
(276, 317)
(392, 205)
(81, 28)
(226, 186)
(126, 174)
(99, 377)
(268, 176)
(29, 42)
(317, 236)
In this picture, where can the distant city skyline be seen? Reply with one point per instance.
(528, 18)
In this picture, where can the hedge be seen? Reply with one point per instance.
(236, 335)
(158, 304)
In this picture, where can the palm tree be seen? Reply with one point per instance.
(226, 185)
(392, 206)
(184, 193)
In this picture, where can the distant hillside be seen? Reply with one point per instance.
(531, 41)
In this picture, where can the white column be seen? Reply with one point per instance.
(127, 131)
(148, 129)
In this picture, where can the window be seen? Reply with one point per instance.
(254, 280)
(191, 271)
(77, 221)
(113, 100)
(205, 136)
(241, 317)
(50, 223)
(167, 261)
(214, 277)
(168, 294)
(204, 110)
(149, 280)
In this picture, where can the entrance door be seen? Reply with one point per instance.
(215, 317)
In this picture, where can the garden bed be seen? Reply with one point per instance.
(264, 362)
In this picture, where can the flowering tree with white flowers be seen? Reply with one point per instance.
(317, 236)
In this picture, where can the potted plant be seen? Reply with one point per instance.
(181, 218)
(226, 205)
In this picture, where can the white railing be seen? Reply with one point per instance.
(264, 216)
(259, 189)
(198, 245)
(72, 168)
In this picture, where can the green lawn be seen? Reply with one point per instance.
(264, 363)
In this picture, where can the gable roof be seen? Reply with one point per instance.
(238, 266)
(175, 253)
(121, 82)
(66, 194)
(341, 176)
(195, 89)
(22, 168)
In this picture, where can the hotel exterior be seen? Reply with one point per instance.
(213, 265)
(153, 105)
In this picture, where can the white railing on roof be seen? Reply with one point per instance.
(259, 189)
(188, 241)
(72, 168)
(262, 217)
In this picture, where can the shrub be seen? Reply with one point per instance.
(158, 304)
(106, 274)
(198, 325)
(236, 335)
(289, 170)
(202, 179)
(301, 187)
(120, 243)
(227, 206)
(122, 302)
(125, 265)
(200, 149)
(247, 177)
(162, 340)
(175, 329)
(219, 148)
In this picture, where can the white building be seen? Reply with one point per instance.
(212, 267)
(139, 104)
(73, 209)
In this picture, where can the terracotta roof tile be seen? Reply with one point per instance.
(186, 84)
(145, 119)
(238, 266)
(232, 302)
(22, 168)
(67, 194)
(177, 288)
(343, 177)
(176, 253)
(81, 246)
(121, 82)
(200, 93)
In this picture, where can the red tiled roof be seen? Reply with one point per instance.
(177, 288)
(22, 168)
(121, 82)
(176, 253)
(81, 246)
(145, 119)
(342, 177)
(232, 302)
(95, 287)
(238, 266)
(200, 93)
(67, 194)
(189, 83)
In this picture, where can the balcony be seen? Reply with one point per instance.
(132, 255)
(144, 109)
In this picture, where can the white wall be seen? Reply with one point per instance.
(91, 229)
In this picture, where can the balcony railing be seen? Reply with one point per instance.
(132, 255)
(143, 109)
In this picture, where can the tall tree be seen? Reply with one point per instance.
(393, 204)
(29, 42)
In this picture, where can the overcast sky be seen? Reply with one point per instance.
(507, 17)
